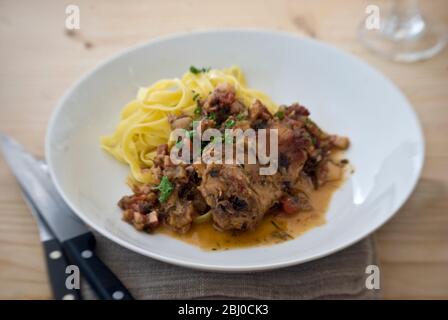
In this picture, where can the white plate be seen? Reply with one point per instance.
(344, 95)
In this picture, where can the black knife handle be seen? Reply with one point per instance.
(81, 251)
(57, 267)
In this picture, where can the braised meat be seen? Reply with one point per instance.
(235, 196)
(238, 197)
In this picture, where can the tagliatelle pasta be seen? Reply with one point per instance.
(144, 121)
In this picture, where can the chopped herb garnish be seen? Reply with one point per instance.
(276, 225)
(282, 235)
(198, 110)
(241, 116)
(165, 189)
(230, 123)
(280, 115)
(195, 70)
(196, 96)
(212, 116)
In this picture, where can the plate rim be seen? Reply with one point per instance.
(214, 267)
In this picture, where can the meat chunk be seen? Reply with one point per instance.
(237, 200)
(259, 115)
(178, 213)
(223, 97)
(140, 220)
(296, 111)
(259, 112)
(180, 122)
(340, 142)
(221, 103)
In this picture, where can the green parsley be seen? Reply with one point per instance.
(196, 96)
(280, 115)
(165, 188)
(198, 110)
(230, 123)
(240, 116)
(195, 70)
(212, 116)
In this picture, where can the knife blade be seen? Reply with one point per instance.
(55, 258)
(78, 242)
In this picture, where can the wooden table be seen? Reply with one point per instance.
(39, 60)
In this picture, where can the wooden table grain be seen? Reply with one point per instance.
(39, 59)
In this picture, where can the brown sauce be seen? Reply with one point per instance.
(275, 227)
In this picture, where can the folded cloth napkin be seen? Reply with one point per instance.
(339, 276)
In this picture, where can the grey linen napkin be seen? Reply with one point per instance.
(338, 276)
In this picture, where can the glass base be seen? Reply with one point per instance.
(425, 45)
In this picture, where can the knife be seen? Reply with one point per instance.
(56, 261)
(77, 241)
